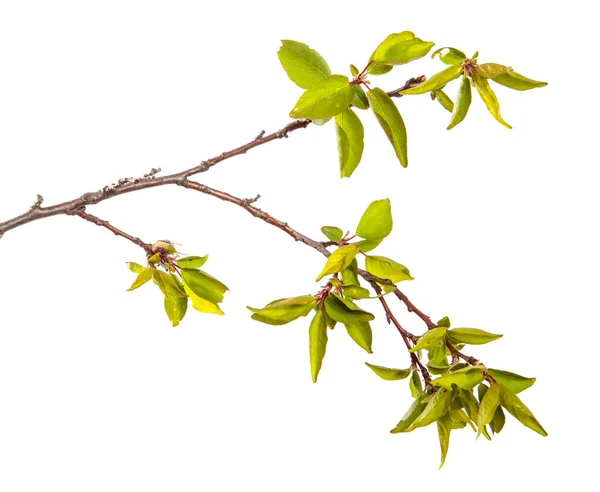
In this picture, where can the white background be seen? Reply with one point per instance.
(498, 227)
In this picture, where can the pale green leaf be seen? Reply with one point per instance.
(391, 121)
(487, 406)
(450, 56)
(332, 233)
(436, 81)
(444, 426)
(192, 261)
(466, 378)
(436, 408)
(415, 385)
(401, 48)
(360, 331)
(497, 423)
(167, 284)
(518, 82)
(141, 279)
(411, 414)
(204, 285)
(389, 374)
(489, 98)
(283, 311)
(339, 259)
(376, 223)
(350, 274)
(491, 70)
(175, 307)
(443, 99)
(317, 343)
(200, 304)
(383, 267)
(303, 65)
(360, 98)
(328, 97)
(430, 338)
(345, 311)
(519, 410)
(135, 267)
(367, 245)
(512, 381)
(350, 141)
(472, 336)
(463, 102)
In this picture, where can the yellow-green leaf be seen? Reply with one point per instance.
(472, 336)
(430, 338)
(135, 267)
(383, 267)
(328, 97)
(332, 233)
(450, 56)
(391, 121)
(376, 223)
(497, 423)
(167, 284)
(436, 81)
(411, 414)
(303, 65)
(202, 305)
(463, 102)
(360, 331)
(350, 141)
(360, 98)
(345, 311)
(401, 48)
(519, 410)
(444, 427)
(317, 334)
(436, 408)
(389, 374)
(175, 307)
(204, 285)
(518, 82)
(491, 70)
(192, 261)
(466, 378)
(487, 406)
(339, 259)
(489, 98)
(512, 381)
(283, 311)
(443, 99)
(415, 385)
(141, 279)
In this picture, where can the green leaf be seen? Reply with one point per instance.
(345, 311)
(459, 417)
(339, 259)
(332, 233)
(445, 321)
(444, 100)
(489, 98)
(411, 414)
(368, 244)
(317, 343)
(383, 267)
(430, 338)
(376, 223)
(204, 285)
(200, 304)
(472, 336)
(497, 423)
(463, 101)
(450, 56)
(328, 97)
(360, 98)
(353, 70)
(303, 65)
(350, 274)
(356, 292)
(141, 279)
(436, 81)
(436, 408)
(437, 354)
(487, 406)
(401, 48)
(519, 410)
(518, 82)
(466, 378)
(415, 385)
(360, 331)
(350, 141)
(379, 68)
(135, 267)
(391, 121)
(444, 426)
(154, 259)
(321, 121)
(389, 374)
(283, 311)
(329, 320)
(167, 284)
(491, 70)
(512, 381)
(175, 307)
(192, 261)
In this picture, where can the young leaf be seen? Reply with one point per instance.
(356, 292)
(466, 378)
(135, 267)
(202, 305)
(517, 81)
(376, 223)
(368, 244)
(141, 279)
(203, 285)
(430, 339)
(443, 99)
(353, 70)
(519, 410)
(168, 284)
(360, 331)
(350, 141)
(415, 385)
(389, 374)
(497, 423)
(391, 121)
(383, 267)
(176, 307)
(450, 56)
(345, 311)
(317, 334)
(444, 426)
(328, 97)
(303, 65)
(284, 310)
(487, 406)
(436, 81)
(512, 381)
(339, 259)
(360, 98)
(472, 336)
(463, 101)
(491, 70)
(401, 48)
(436, 408)
(489, 98)
(332, 233)
(379, 68)
(411, 414)
(445, 321)
(192, 262)
(350, 274)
